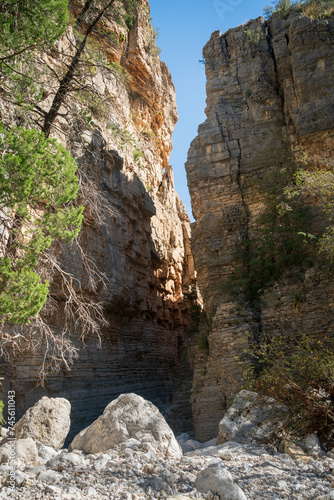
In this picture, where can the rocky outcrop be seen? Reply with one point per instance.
(269, 84)
(141, 244)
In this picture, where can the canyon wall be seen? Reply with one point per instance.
(142, 245)
(269, 85)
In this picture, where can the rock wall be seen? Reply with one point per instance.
(143, 247)
(269, 84)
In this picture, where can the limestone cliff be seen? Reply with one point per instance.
(143, 247)
(269, 84)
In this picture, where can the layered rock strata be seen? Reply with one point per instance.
(142, 245)
(269, 84)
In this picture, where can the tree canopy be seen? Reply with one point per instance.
(26, 24)
(38, 184)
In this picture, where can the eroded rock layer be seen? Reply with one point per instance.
(143, 247)
(269, 84)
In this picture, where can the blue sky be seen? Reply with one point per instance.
(184, 28)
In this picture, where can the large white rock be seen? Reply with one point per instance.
(247, 421)
(22, 452)
(128, 417)
(218, 480)
(48, 421)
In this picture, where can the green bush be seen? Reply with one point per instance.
(280, 243)
(311, 8)
(299, 374)
(152, 42)
(130, 8)
(282, 7)
(254, 37)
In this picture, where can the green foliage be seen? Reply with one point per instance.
(38, 186)
(202, 323)
(22, 295)
(137, 154)
(311, 8)
(105, 36)
(130, 8)
(25, 24)
(2, 420)
(152, 42)
(119, 71)
(317, 184)
(318, 8)
(254, 37)
(27, 29)
(298, 373)
(281, 7)
(280, 243)
(203, 343)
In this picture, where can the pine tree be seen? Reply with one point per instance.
(27, 24)
(38, 185)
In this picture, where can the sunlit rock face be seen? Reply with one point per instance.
(143, 249)
(269, 85)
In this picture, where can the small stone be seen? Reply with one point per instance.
(45, 452)
(179, 497)
(158, 484)
(101, 461)
(52, 489)
(71, 490)
(24, 451)
(90, 491)
(168, 477)
(20, 479)
(282, 484)
(294, 451)
(149, 469)
(49, 477)
(65, 460)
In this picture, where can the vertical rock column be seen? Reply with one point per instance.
(260, 98)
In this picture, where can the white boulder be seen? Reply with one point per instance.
(128, 417)
(248, 421)
(45, 452)
(48, 421)
(218, 480)
(22, 452)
